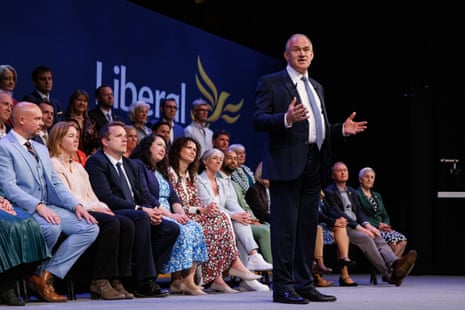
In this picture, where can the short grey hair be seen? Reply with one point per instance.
(210, 152)
(363, 170)
(136, 106)
(237, 147)
(197, 103)
(5, 68)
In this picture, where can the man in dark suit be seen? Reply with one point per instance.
(258, 196)
(125, 194)
(42, 80)
(47, 120)
(168, 110)
(296, 158)
(103, 113)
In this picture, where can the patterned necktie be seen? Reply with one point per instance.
(124, 183)
(31, 150)
(109, 118)
(316, 113)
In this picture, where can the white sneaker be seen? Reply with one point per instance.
(257, 263)
(253, 285)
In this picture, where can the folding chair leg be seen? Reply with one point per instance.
(373, 277)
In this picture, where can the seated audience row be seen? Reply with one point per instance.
(219, 234)
(190, 250)
(343, 202)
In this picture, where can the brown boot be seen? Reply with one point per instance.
(320, 282)
(118, 286)
(43, 286)
(102, 289)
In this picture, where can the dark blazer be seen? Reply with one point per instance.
(285, 149)
(178, 131)
(258, 201)
(335, 206)
(149, 180)
(100, 119)
(35, 97)
(107, 185)
(39, 139)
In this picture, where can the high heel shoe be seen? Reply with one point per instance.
(243, 275)
(320, 282)
(347, 282)
(189, 291)
(175, 287)
(223, 288)
(348, 263)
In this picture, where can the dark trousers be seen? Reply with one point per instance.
(112, 250)
(294, 217)
(143, 264)
(164, 236)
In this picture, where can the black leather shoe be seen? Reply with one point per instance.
(150, 288)
(347, 282)
(314, 295)
(9, 298)
(290, 297)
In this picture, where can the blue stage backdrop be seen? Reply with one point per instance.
(141, 54)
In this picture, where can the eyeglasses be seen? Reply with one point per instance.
(202, 110)
(171, 107)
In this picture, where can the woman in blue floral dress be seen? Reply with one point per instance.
(190, 249)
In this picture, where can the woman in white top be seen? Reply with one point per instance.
(112, 250)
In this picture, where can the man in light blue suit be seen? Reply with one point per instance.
(29, 181)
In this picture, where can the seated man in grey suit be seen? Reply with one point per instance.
(342, 201)
(29, 181)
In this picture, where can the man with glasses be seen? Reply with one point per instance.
(168, 110)
(197, 128)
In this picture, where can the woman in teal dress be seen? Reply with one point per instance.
(23, 247)
(190, 249)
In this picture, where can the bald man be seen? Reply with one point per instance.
(29, 181)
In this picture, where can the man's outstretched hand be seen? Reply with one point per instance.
(352, 128)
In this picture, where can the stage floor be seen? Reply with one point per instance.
(416, 292)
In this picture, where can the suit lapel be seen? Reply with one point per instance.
(289, 85)
(30, 160)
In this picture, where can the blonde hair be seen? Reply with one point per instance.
(57, 133)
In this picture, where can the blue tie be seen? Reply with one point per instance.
(124, 183)
(316, 113)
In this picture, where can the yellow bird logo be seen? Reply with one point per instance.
(229, 112)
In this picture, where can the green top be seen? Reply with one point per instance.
(375, 217)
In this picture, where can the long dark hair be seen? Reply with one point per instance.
(175, 155)
(142, 152)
